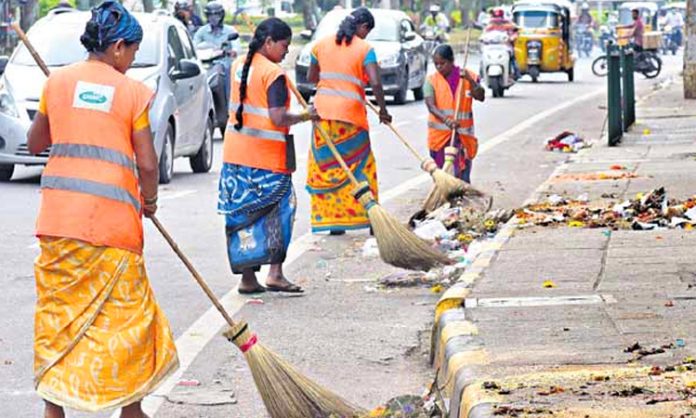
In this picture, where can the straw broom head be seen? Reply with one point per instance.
(286, 392)
(447, 186)
(398, 246)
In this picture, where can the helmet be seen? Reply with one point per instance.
(213, 8)
(181, 5)
(498, 13)
(434, 8)
(585, 6)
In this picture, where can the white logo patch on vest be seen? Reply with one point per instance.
(93, 96)
(238, 74)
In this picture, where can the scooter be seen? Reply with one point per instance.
(606, 35)
(430, 40)
(583, 40)
(670, 40)
(215, 61)
(496, 64)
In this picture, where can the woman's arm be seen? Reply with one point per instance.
(39, 135)
(148, 169)
(277, 97)
(376, 83)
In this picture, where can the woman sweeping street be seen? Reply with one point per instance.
(341, 65)
(440, 93)
(100, 338)
(255, 192)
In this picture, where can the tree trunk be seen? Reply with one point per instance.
(29, 14)
(690, 51)
(148, 6)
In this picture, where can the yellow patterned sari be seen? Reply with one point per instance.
(100, 338)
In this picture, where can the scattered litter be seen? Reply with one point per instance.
(8, 362)
(254, 302)
(680, 343)
(189, 382)
(548, 284)
(438, 288)
(594, 176)
(669, 304)
(617, 167)
(646, 131)
(370, 289)
(431, 229)
(406, 279)
(566, 142)
(370, 248)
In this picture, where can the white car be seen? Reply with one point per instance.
(181, 116)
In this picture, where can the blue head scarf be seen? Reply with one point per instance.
(111, 22)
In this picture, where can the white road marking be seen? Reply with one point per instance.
(402, 123)
(201, 332)
(175, 195)
(513, 302)
(34, 246)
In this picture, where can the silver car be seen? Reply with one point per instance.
(181, 115)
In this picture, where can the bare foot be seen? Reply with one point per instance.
(249, 284)
(53, 411)
(277, 282)
(133, 411)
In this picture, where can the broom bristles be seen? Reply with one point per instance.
(447, 186)
(398, 245)
(286, 393)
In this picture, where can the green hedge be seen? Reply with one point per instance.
(46, 5)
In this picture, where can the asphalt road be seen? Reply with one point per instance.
(188, 209)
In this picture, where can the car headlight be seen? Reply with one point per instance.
(7, 103)
(304, 59)
(389, 61)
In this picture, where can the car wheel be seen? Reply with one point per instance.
(571, 74)
(496, 85)
(166, 162)
(400, 96)
(418, 93)
(203, 160)
(6, 171)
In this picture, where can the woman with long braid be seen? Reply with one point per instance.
(341, 65)
(255, 192)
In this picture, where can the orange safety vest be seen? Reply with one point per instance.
(439, 134)
(89, 188)
(342, 77)
(260, 143)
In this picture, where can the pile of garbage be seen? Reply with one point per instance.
(566, 142)
(647, 211)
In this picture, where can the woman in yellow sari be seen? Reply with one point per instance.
(341, 65)
(100, 339)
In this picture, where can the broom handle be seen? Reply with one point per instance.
(460, 86)
(30, 48)
(193, 271)
(325, 136)
(397, 133)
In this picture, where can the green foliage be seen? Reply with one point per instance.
(46, 5)
(295, 22)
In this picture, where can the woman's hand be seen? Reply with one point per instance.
(312, 114)
(384, 116)
(451, 123)
(149, 206)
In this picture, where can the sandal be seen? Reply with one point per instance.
(289, 288)
(254, 291)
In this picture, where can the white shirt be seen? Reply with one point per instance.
(675, 20)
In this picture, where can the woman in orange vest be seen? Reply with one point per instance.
(440, 93)
(255, 192)
(100, 338)
(341, 65)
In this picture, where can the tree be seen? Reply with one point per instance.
(690, 51)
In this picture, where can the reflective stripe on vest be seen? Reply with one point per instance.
(442, 127)
(93, 152)
(259, 133)
(340, 93)
(341, 77)
(252, 110)
(460, 116)
(90, 187)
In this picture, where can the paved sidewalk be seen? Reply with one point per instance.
(528, 350)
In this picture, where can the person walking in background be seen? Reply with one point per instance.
(440, 92)
(183, 10)
(341, 64)
(100, 338)
(255, 192)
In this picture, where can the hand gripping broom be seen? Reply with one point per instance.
(397, 245)
(445, 183)
(285, 392)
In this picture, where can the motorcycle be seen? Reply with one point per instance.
(670, 40)
(431, 39)
(645, 62)
(606, 35)
(217, 62)
(583, 40)
(496, 62)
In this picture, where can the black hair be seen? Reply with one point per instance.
(351, 22)
(445, 51)
(109, 23)
(277, 30)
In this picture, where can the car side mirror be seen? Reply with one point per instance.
(233, 37)
(306, 34)
(410, 36)
(187, 69)
(3, 63)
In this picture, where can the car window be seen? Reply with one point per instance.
(176, 50)
(386, 27)
(186, 42)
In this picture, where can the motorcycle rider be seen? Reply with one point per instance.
(674, 20)
(637, 30)
(583, 28)
(183, 11)
(216, 35)
(498, 22)
(437, 22)
(585, 17)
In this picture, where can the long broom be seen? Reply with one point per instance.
(445, 183)
(285, 391)
(397, 245)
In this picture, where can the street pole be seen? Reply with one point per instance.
(690, 51)
(614, 108)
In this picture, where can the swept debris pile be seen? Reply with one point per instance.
(566, 142)
(647, 211)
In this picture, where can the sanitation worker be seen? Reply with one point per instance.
(440, 92)
(255, 192)
(342, 64)
(100, 338)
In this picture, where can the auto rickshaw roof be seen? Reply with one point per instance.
(536, 6)
(630, 5)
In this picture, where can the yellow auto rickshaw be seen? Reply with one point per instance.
(543, 41)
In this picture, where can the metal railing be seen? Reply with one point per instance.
(621, 100)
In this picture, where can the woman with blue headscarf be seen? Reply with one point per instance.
(100, 338)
